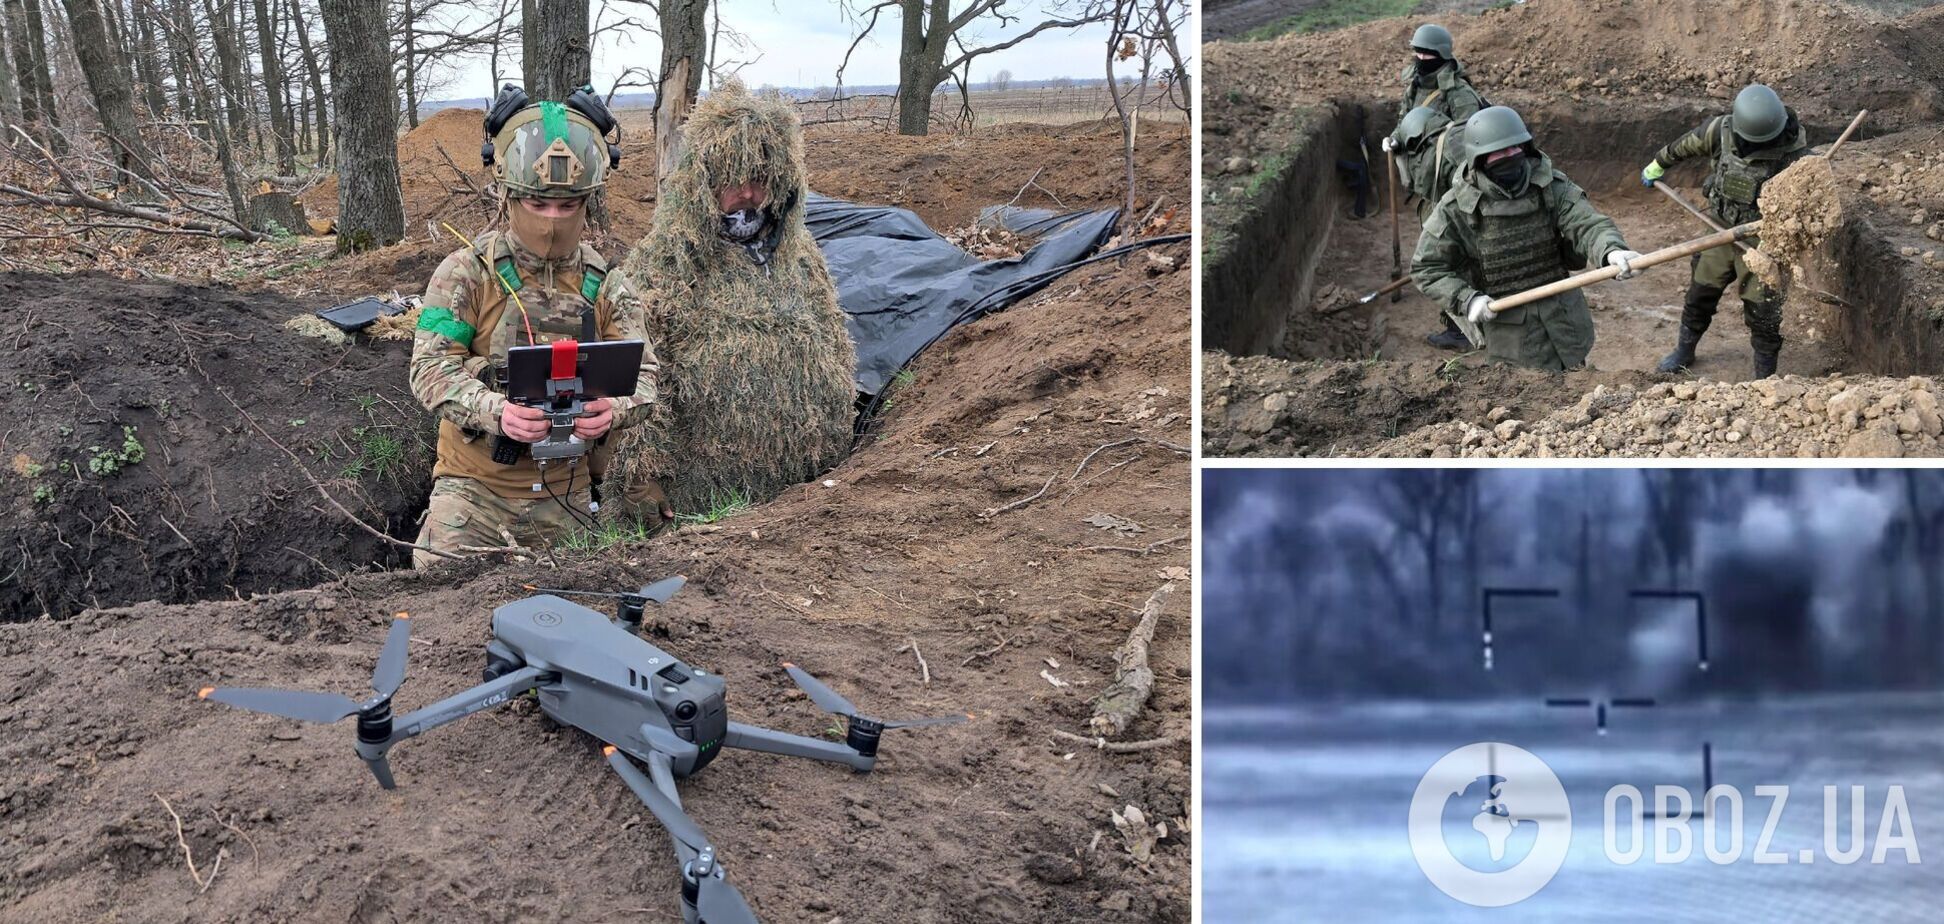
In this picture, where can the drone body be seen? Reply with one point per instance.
(596, 674)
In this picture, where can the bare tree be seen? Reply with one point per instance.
(684, 50)
(1000, 82)
(1141, 31)
(930, 30)
(36, 81)
(315, 72)
(280, 128)
(371, 205)
(109, 84)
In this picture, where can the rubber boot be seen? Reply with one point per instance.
(1765, 364)
(1451, 338)
(1683, 355)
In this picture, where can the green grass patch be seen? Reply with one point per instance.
(1331, 14)
(721, 507)
(607, 534)
(380, 454)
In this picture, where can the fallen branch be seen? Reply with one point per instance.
(1142, 550)
(189, 856)
(924, 670)
(1120, 704)
(989, 652)
(1121, 747)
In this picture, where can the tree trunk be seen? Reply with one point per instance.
(108, 84)
(179, 63)
(921, 61)
(222, 28)
(411, 67)
(42, 79)
(316, 74)
(148, 66)
(10, 103)
(558, 60)
(684, 45)
(273, 89)
(371, 206)
(202, 96)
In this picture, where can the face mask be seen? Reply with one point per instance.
(1509, 173)
(547, 238)
(1427, 67)
(742, 225)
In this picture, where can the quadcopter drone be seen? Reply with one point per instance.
(597, 674)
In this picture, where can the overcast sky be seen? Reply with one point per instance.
(801, 43)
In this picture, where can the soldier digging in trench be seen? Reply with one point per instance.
(758, 388)
(1748, 147)
(1436, 84)
(535, 282)
(1511, 223)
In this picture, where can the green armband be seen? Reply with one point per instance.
(440, 321)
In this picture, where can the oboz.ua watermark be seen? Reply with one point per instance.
(1491, 825)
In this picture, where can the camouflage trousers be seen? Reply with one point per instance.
(464, 513)
(1723, 270)
(1554, 334)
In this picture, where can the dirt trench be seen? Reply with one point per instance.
(1301, 251)
(146, 444)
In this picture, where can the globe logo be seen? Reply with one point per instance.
(1490, 824)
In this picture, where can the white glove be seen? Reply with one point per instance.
(1389, 144)
(1479, 309)
(1624, 259)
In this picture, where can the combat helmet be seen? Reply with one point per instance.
(1434, 38)
(1759, 114)
(1495, 129)
(1420, 124)
(550, 150)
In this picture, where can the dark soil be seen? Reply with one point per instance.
(212, 509)
(502, 818)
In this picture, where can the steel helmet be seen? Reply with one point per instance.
(1494, 129)
(551, 151)
(1430, 37)
(1419, 124)
(1759, 114)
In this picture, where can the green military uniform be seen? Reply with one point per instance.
(468, 323)
(1448, 90)
(1481, 239)
(1430, 159)
(1733, 187)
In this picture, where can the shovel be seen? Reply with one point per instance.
(1393, 286)
(1646, 261)
(1397, 236)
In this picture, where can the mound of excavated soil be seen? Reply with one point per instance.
(1261, 406)
(1801, 211)
(1826, 59)
(132, 477)
(1862, 417)
(501, 817)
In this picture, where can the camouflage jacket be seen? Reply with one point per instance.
(1449, 267)
(1734, 183)
(1454, 95)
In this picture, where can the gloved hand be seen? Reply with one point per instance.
(1652, 173)
(1478, 310)
(1389, 144)
(647, 494)
(1623, 259)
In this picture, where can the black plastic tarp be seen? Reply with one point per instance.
(902, 285)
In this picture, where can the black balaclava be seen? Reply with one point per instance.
(1510, 172)
(1426, 67)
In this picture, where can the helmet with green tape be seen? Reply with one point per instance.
(549, 150)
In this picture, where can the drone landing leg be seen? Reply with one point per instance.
(770, 741)
(706, 892)
(663, 775)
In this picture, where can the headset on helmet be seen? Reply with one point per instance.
(512, 99)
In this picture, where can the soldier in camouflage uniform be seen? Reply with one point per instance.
(1428, 147)
(1748, 147)
(1511, 223)
(1434, 78)
(534, 283)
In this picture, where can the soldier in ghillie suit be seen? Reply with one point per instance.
(1748, 147)
(1511, 223)
(534, 283)
(1429, 147)
(758, 389)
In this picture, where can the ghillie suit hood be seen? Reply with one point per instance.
(757, 385)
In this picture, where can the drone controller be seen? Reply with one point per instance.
(560, 378)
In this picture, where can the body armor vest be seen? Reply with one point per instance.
(1518, 244)
(1735, 186)
(572, 307)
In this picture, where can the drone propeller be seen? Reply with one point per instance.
(719, 902)
(833, 702)
(326, 708)
(658, 592)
